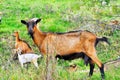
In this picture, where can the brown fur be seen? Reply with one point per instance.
(22, 44)
(65, 43)
(68, 43)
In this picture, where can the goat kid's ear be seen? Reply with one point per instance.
(38, 20)
(24, 22)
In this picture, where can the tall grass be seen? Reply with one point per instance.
(58, 16)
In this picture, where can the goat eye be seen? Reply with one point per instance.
(27, 25)
(33, 25)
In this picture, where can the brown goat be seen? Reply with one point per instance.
(22, 45)
(68, 46)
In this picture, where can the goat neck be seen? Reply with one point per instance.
(38, 37)
(17, 38)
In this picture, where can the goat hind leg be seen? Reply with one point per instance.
(21, 65)
(92, 65)
(100, 65)
(35, 63)
(102, 72)
(86, 60)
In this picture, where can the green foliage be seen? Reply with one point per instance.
(57, 16)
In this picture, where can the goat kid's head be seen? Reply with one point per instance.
(16, 52)
(19, 51)
(31, 25)
(15, 34)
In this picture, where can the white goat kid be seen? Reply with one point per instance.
(29, 57)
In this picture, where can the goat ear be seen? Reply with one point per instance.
(24, 22)
(38, 20)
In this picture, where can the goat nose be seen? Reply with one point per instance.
(30, 31)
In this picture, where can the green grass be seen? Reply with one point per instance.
(57, 16)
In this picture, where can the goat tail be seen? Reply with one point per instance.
(103, 39)
(39, 56)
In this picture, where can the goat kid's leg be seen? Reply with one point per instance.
(21, 65)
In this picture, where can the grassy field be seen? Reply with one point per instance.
(58, 16)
